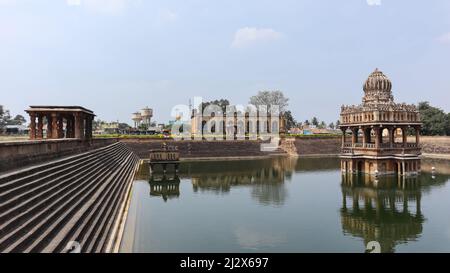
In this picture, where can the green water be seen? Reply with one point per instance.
(287, 205)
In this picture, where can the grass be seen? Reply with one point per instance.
(130, 136)
(313, 136)
(13, 138)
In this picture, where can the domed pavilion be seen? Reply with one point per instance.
(375, 133)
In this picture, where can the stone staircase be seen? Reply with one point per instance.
(75, 199)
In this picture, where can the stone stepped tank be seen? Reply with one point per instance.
(78, 199)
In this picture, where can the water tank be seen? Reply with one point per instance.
(147, 113)
(136, 117)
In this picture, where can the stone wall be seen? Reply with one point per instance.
(199, 149)
(16, 155)
(205, 149)
(435, 145)
(312, 146)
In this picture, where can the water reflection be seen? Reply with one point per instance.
(287, 205)
(387, 210)
(165, 186)
(265, 177)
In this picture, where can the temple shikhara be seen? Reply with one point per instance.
(60, 122)
(375, 134)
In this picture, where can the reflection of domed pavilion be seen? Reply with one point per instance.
(374, 126)
(165, 187)
(387, 210)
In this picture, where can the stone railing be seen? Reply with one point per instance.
(381, 145)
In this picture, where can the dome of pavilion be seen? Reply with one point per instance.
(378, 87)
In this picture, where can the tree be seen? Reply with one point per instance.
(290, 121)
(222, 103)
(124, 126)
(269, 98)
(338, 123)
(307, 123)
(143, 127)
(17, 120)
(435, 121)
(331, 126)
(315, 121)
(322, 125)
(5, 117)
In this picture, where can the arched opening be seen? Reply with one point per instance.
(398, 136)
(348, 136)
(359, 135)
(360, 167)
(384, 137)
(371, 136)
(275, 127)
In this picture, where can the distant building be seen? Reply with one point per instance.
(247, 124)
(16, 130)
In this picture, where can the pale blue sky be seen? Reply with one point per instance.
(116, 56)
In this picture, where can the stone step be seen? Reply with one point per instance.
(31, 190)
(92, 221)
(98, 239)
(32, 223)
(39, 223)
(50, 237)
(75, 224)
(43, 171)
(38, 199)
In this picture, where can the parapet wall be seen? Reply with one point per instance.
(199, 149)
(312, 146)
(245, 148)
(435, 146)
(15, 155)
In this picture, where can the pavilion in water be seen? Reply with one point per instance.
(375, 133)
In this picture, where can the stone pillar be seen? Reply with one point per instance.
(391, 137)
(60, 127)
(364, 137)
(79, 126)
(417, 136)
(377, 137)
(88, 129)
(40, 130)
(354, 136)
(32, 126)
(404, 136)
(343, 137)
(49, 126)
(54, 125)
(69, 126)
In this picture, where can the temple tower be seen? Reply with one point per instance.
(375, 133)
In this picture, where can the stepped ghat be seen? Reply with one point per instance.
(77, 198)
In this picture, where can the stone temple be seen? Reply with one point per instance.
(375, 133)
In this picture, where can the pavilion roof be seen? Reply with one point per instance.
(47, 108)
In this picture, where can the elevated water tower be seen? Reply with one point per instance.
(137, 118)
(147, 114)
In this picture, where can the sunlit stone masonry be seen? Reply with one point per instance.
(375, 134)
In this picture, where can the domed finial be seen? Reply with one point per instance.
(377, 70)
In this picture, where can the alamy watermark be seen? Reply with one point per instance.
(232, 122)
